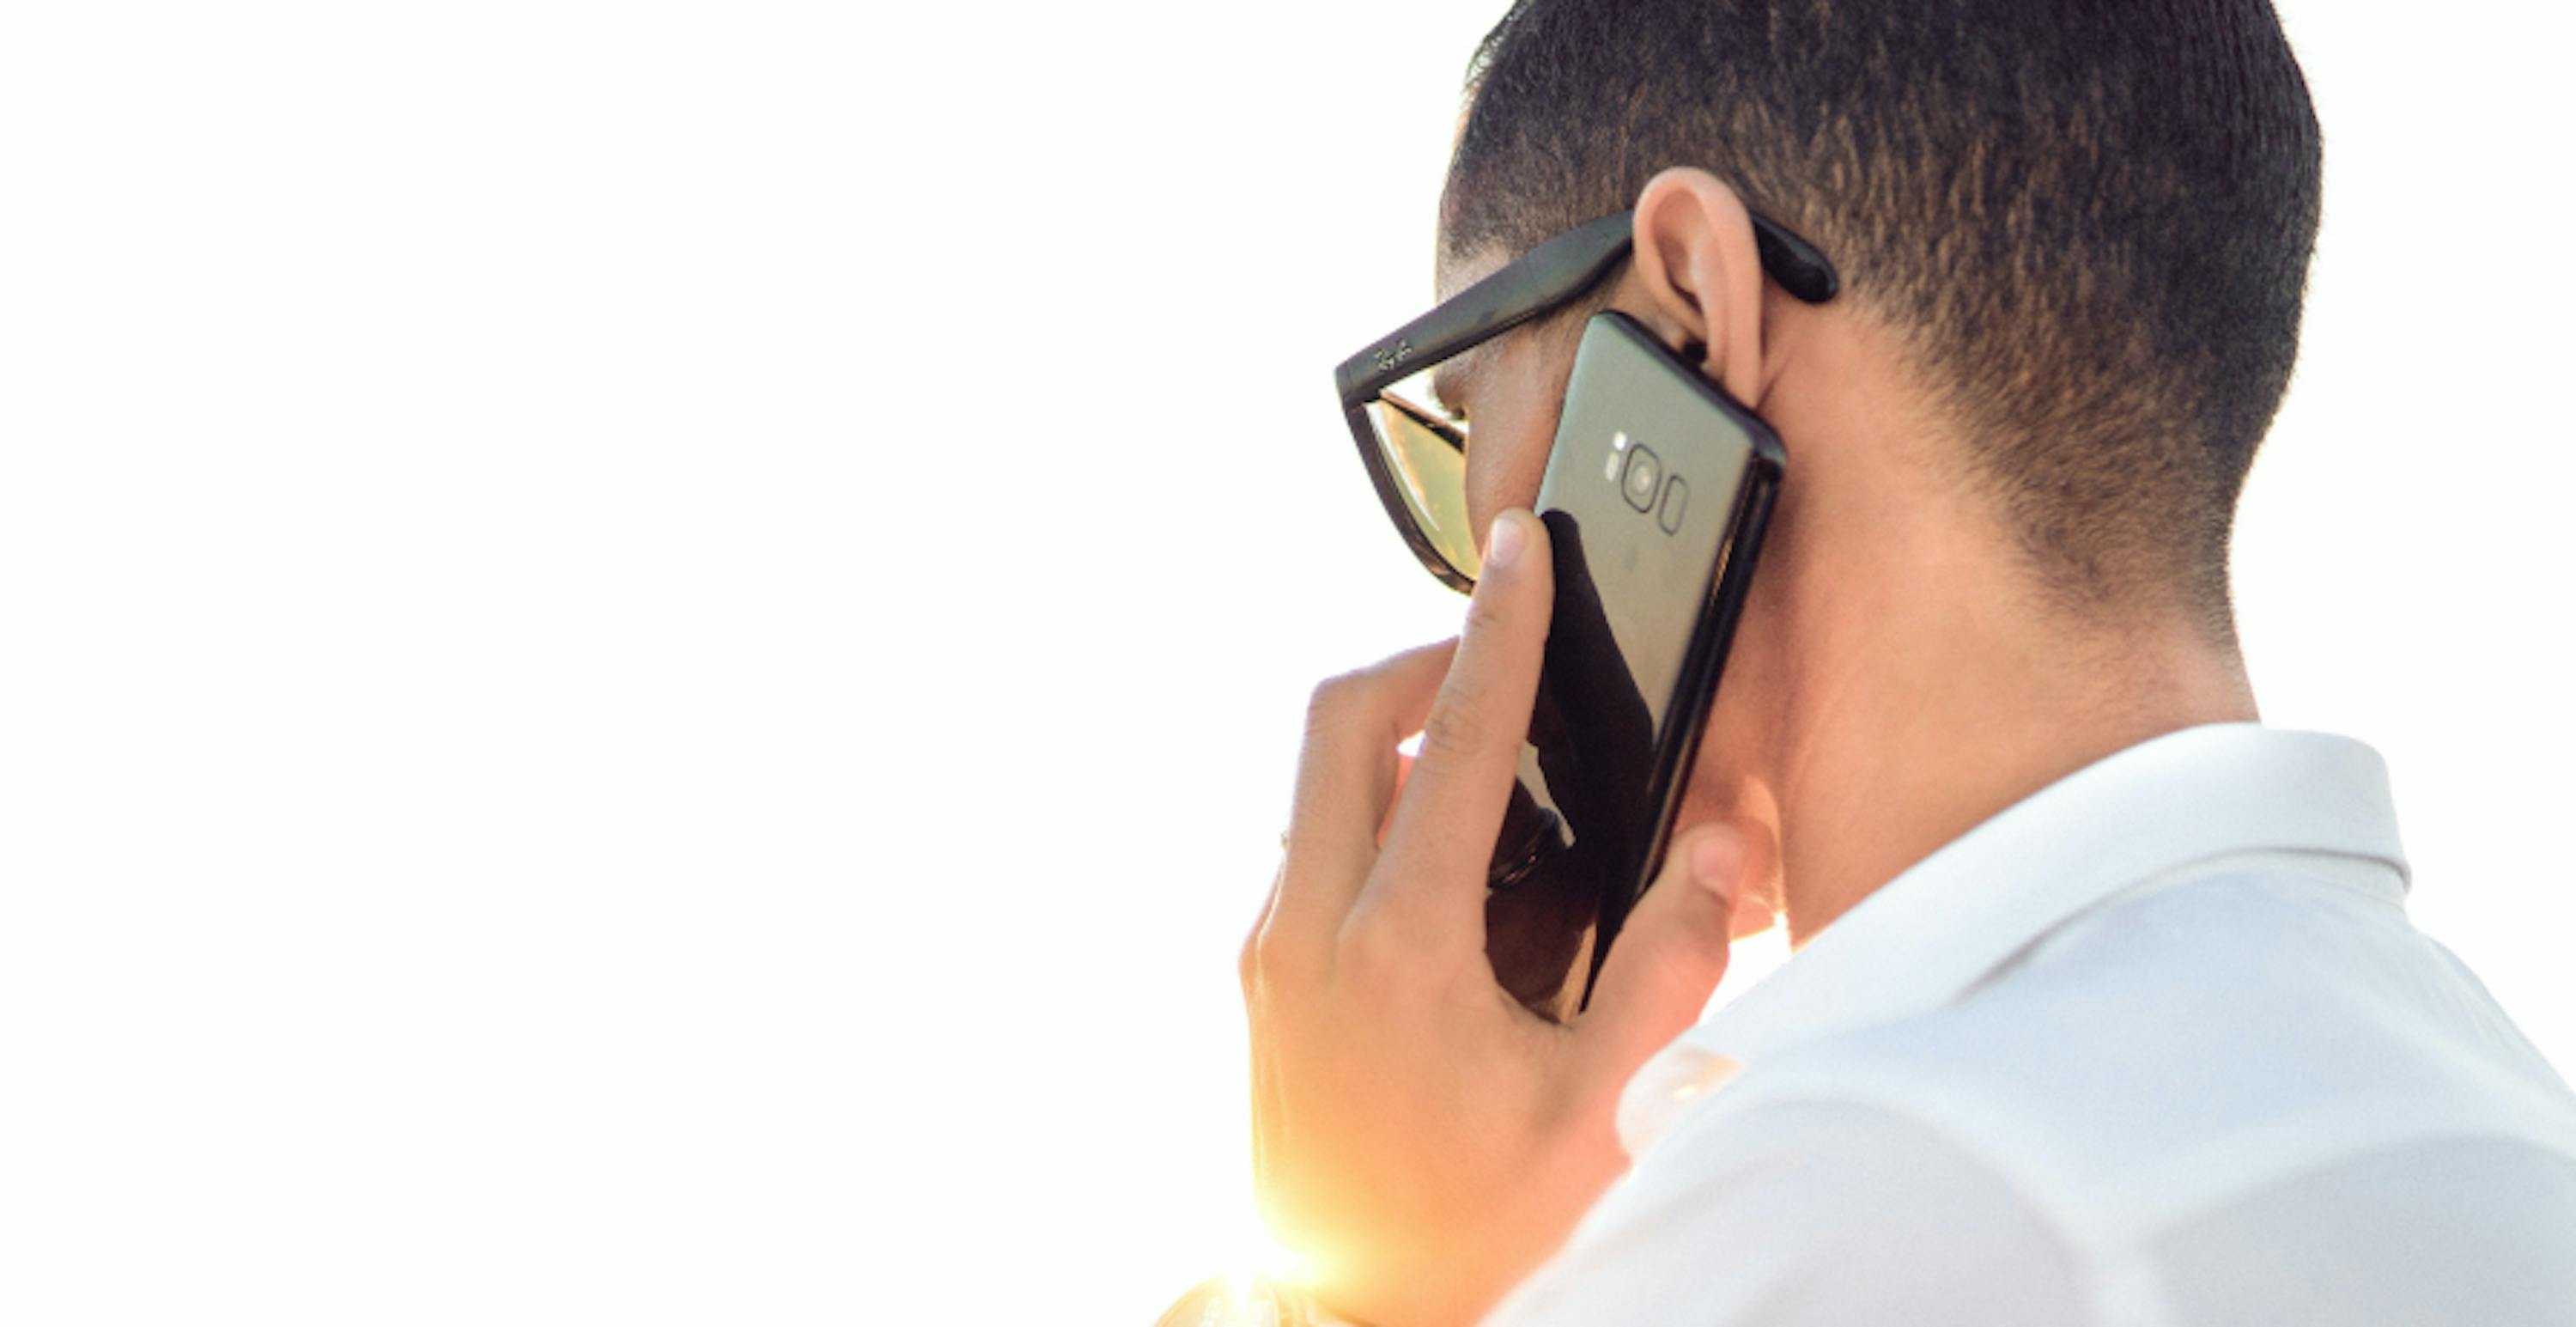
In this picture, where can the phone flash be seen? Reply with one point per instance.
(1618, 446)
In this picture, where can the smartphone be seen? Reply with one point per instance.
(1657, 493)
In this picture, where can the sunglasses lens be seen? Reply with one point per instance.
(1426, 454)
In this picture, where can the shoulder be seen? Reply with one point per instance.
(2102, 1131)
(1804, 1210)
(2185, 1046)
(1811, 1211)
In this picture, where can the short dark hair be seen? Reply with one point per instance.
(2090, 221)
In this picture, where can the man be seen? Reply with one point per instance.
(2104, 1005)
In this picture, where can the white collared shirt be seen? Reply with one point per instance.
(2157, 1045)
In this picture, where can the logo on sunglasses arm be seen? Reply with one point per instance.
(1393, 355)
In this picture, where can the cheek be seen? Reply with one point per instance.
(1516, 409)
(1505, 462)
(1739, 746)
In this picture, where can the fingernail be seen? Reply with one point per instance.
(1504, 544)
(1716, 859)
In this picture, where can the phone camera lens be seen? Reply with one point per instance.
(1644, 478)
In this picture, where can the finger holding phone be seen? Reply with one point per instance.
(1419, 1135)
(1425, 1133)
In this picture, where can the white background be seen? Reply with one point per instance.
(650, 653)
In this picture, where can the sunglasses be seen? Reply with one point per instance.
(1416, 451)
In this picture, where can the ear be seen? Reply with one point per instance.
(1702, 275)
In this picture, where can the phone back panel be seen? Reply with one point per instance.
(1655, 497)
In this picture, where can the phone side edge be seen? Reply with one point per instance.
(1703, 672)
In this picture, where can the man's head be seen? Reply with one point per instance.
(2088, 223)
(2073, 240)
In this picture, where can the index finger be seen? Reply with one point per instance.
(1432, 874)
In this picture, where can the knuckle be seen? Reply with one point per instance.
(1247, 963)
(1455, 728)
(1334, 698)
(1270, 958)
(1376, 956)
(1487, 617)
(1371, 952)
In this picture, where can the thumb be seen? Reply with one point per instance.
(1669, 957)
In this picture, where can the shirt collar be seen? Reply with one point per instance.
(1933, 931)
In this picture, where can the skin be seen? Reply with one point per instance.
(1897, 678)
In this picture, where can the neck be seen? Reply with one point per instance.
(1884, 765)
(1923, 684)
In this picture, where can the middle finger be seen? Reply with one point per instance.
(1346, 776)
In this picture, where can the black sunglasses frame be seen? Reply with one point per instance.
(1547, 277)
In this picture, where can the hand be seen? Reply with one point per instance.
(1419, 1135)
